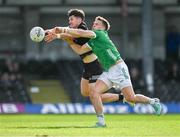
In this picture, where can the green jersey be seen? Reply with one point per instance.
(105, 49)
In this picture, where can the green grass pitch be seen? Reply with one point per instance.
(80, 126)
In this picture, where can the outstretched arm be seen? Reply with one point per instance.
(69, 39)
(76, 32)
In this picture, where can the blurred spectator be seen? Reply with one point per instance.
(12, 85)
(137, 80)
(173, 72)
(11, 66)
(5, 80)
(172, 43)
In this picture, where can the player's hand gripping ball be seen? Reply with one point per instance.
(37, 34)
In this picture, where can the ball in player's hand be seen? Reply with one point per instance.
(37, 34)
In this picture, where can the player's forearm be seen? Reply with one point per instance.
(81, 33)
(76, 32)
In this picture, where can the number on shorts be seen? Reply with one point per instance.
(125, 74)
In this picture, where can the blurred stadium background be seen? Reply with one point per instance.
(147, 34)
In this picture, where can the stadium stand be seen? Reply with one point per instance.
(14, 86)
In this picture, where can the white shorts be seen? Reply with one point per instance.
(117, 76)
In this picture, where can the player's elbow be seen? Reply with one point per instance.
(90, 34)
(93, 35)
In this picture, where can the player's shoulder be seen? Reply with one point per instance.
(83, 26)
(99, 32)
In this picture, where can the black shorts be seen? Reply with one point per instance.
(92, 71)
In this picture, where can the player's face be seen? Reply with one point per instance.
(74, 21)
(98, 25)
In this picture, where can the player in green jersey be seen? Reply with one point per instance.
(115, 70)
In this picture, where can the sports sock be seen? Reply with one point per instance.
(101, 119)
(152, 101)
(121, 97)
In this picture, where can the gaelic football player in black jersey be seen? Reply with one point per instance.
(92, 68)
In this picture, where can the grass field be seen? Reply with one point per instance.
(80, 126)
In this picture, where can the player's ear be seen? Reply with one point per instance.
(79, 20)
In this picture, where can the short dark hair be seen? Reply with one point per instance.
(77, 13)
(104, 21)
